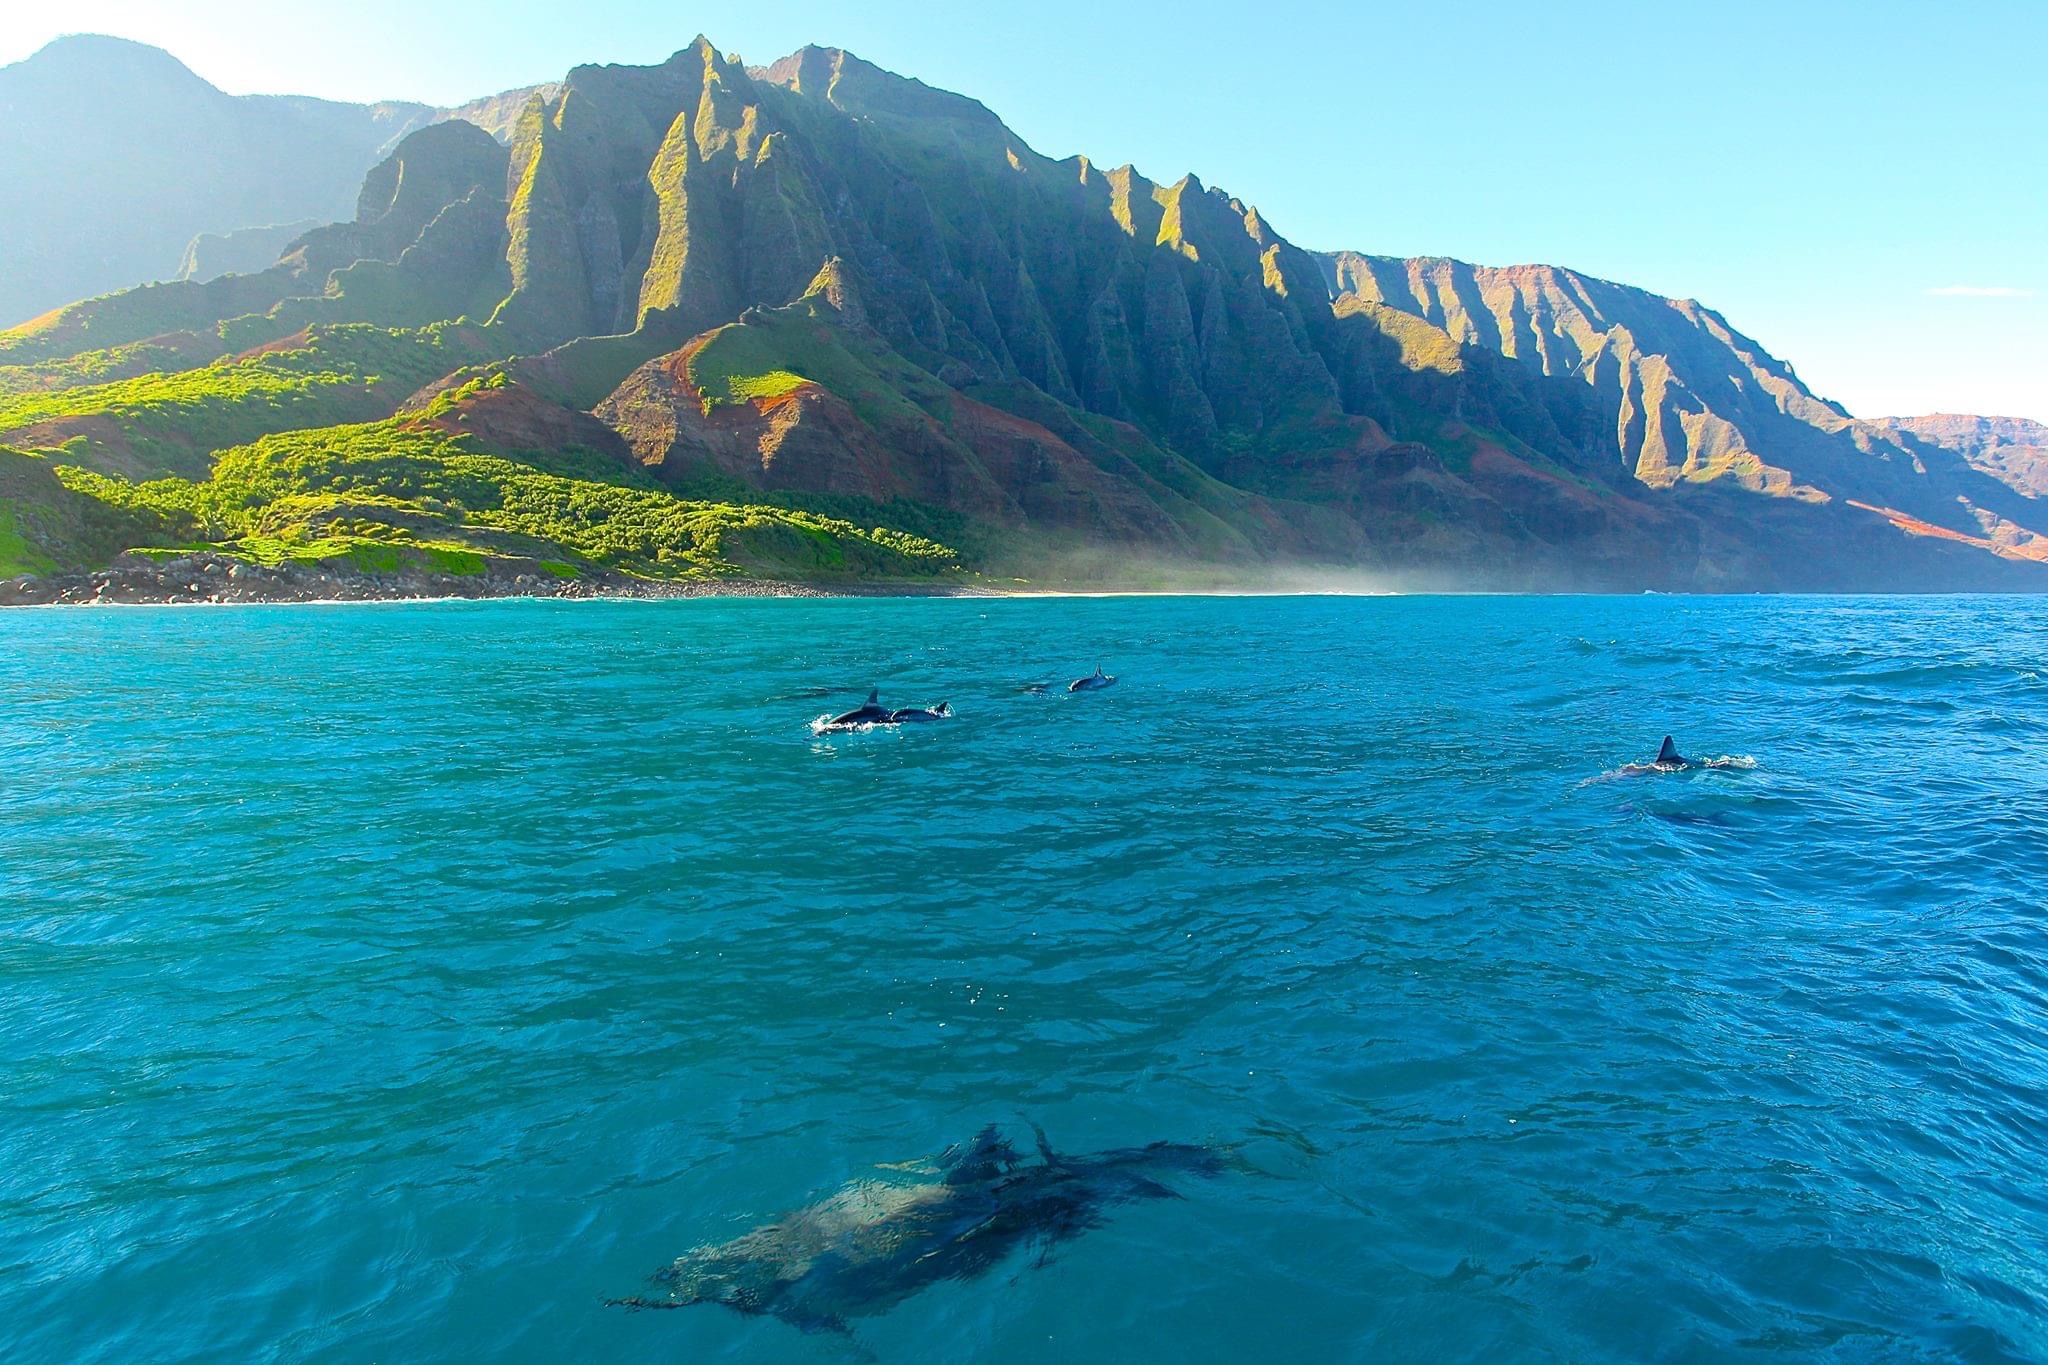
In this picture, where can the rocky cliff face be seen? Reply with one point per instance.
(668, 200)
(1684, 399)
(2012, 450)
(811, 398)
(1129, 327)
(1680, 382)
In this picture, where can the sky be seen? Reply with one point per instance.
(1860, 187)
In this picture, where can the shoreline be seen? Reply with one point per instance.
(208, 580)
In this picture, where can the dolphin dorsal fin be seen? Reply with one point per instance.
(875, 696)
(1669, 753)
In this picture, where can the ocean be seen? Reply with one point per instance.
(402, 982)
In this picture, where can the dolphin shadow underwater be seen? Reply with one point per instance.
(877, 1242)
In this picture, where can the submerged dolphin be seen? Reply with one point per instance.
(1094, 684)
(914, 715)
(877, 1242)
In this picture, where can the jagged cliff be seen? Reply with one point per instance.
(1686, 399)
(820, 281)
(2012, 450)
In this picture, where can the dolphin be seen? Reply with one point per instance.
(914, 715)
(1669, 760)
(1094, 684)
(877, 1242)
(872, 712)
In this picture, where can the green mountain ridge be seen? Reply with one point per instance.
(819, 290)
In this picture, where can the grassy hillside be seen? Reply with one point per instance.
(172, 421)
(46, 526)
(385, 495)
(774, 353)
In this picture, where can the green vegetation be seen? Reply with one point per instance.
(392, 494)
(139, 315)
(180, 351)
(18, 555)
(972, 540)
(46, 527)
(171, 422)
(196, 407)
(464, 385)
(580, 373)
(758, 388)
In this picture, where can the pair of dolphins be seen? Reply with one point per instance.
(872, 712)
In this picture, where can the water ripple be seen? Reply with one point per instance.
(398, 982)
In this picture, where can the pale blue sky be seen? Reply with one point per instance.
(1859, 186)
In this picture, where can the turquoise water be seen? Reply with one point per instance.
(399, 982)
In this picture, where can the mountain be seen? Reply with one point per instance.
(128, 157)
(1686, 400)
(2012, 450)
(819, 290)
(245, 251)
